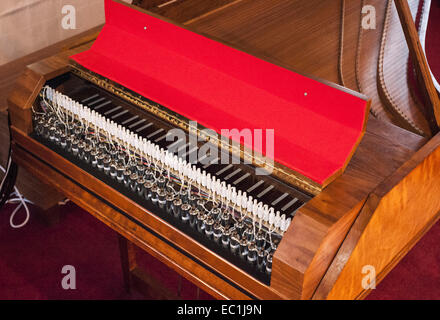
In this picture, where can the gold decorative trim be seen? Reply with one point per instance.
(281, 172)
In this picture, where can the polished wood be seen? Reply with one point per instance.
(128, 260)
(149, 4)
(150, 287)
(386, 48)
(397, 96)
(21, 99)
(138, 278)
(395, 216)
(312, 243)
(30, 83)
(185, 11)
(322, 224)
(423, 72)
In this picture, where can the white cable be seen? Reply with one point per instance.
(22, 202)
(16, 200)
(6, 172)
(64, 202)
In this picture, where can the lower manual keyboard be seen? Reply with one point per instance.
(245, 233)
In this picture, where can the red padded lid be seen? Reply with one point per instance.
(316, 126)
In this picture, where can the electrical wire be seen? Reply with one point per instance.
(23, 203)
(7, 185)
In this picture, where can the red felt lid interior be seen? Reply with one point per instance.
(316, 126)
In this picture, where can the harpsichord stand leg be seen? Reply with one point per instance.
(138, 278)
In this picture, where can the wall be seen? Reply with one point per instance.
(30, 25)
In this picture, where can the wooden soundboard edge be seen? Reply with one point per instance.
(377, 226)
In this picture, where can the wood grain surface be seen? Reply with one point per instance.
(395, 216)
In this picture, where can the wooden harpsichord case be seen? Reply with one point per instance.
(342, 190)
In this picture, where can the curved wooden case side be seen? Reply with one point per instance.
(307, 250)
(21, 99)
(30, 83)
(394, 218)
(319, 227)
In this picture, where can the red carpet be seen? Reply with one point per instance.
(433, 39)
(31, 258)
(417, 276)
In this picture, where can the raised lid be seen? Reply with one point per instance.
(316, 126)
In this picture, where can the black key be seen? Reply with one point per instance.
(131, 119)
(137, 123)
(95, 102)
(145, 126)
(90, 98)
(113, 110)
